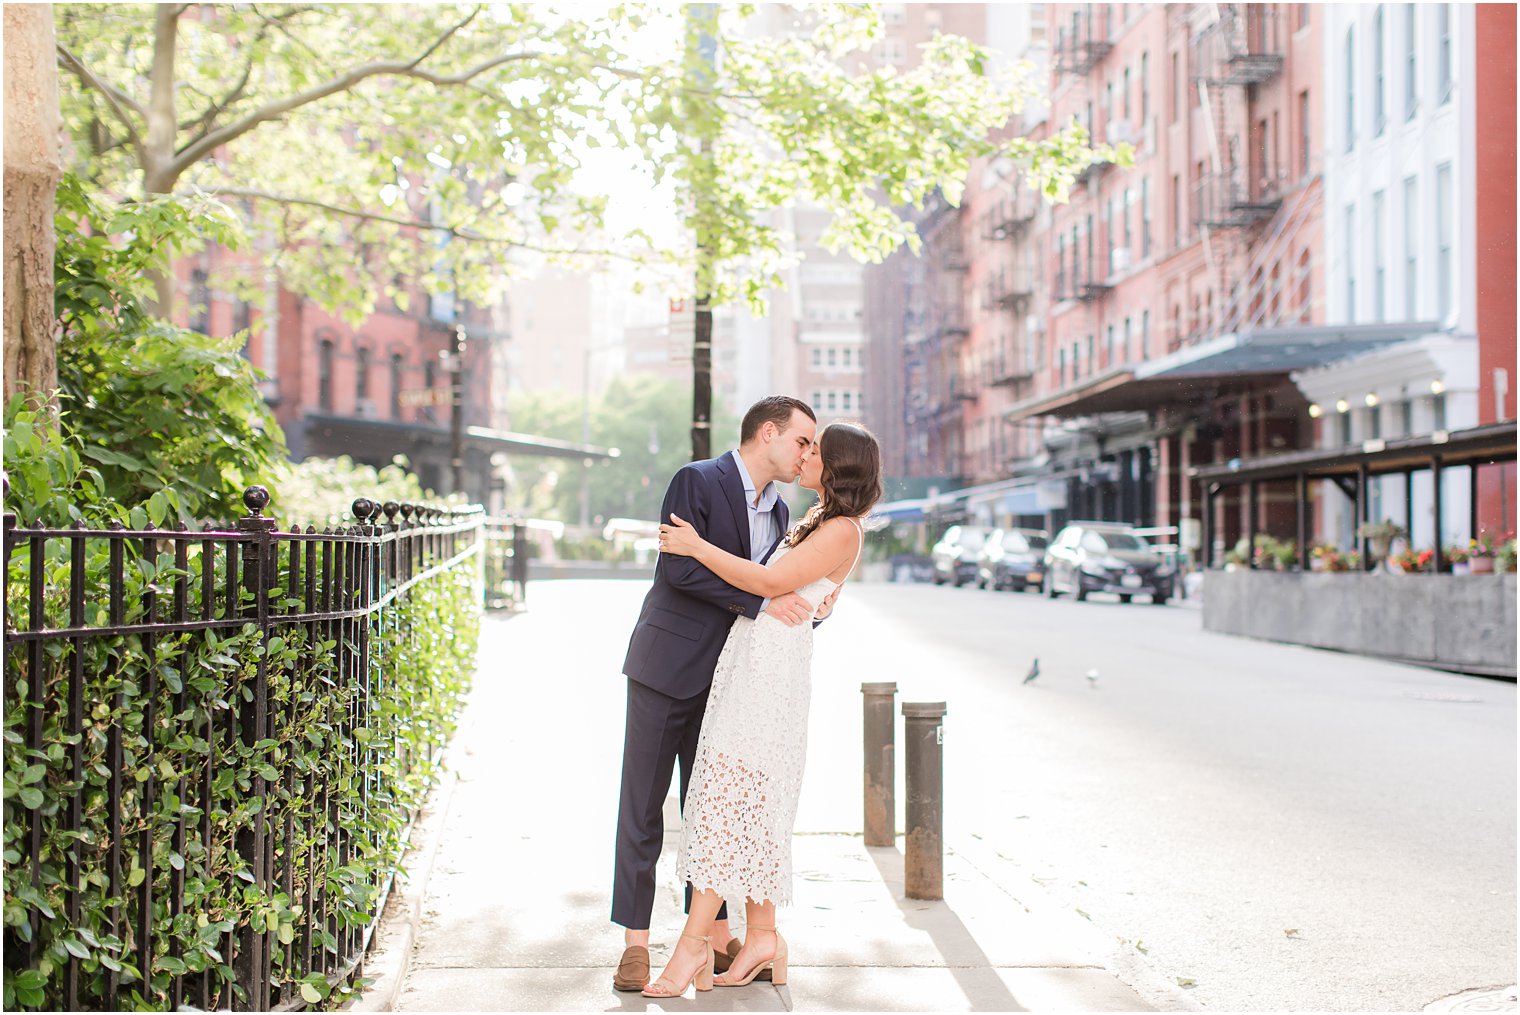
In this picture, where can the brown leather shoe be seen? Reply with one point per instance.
(722, 960)
(633, 969)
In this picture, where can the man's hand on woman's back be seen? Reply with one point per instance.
(791, 609)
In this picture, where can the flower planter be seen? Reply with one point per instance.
(1482, 565)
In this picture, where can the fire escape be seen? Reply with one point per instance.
(1232, 54)
(1011, 290)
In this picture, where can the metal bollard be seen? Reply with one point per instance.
(880, 764)
(924, 859)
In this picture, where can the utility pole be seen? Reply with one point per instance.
(456, 414)
(701, 58)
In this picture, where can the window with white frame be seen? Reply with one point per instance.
(1443, 241)
(1379, 267)
(1350, 84)
(1350, 255)
(1443, 55)
(1379, 97)
(1411, 245)
(1411, 79)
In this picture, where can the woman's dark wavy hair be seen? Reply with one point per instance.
(851, 477)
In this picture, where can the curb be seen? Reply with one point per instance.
(390, 954)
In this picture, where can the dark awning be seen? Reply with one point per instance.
(1226, 365)
(1494, 442)
(394, 432)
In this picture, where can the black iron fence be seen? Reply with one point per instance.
(215, 743)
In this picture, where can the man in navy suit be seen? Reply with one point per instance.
(734, 502)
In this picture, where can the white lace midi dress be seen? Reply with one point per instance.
(741, 804)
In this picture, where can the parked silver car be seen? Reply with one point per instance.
(956, 552)
(1013, 559)
(1089, 557)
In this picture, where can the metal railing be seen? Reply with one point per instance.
(195, 772)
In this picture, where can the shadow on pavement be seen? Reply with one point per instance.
(964, 958)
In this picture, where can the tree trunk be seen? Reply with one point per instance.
(159, 174)
(33, 166)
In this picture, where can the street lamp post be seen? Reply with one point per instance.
(456, 413)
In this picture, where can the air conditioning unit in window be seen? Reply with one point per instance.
(365, 407)
(1118, 260)
(1034, 324)
(1120, 131)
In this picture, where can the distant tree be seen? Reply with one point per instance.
(646, 418)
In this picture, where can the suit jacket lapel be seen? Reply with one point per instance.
(733, 489)
(781, 515)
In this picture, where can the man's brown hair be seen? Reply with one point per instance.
(776, 409)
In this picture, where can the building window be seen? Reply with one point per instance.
(1411, 244)
(1145, 87)
(833, 401)
(1350, 88)
(1128, 334)
(200, 302)
(1089, 274)
(429, 378)
(1443, 242)
(1411, 89)
(1145, 217)
(1438, 412)
(1108, 347)
(1443, 61)
(1061, 360)
(395, 385)
(1145, 334)
(1350, 254)
(1177, 86)
(1124, 99)
(1176, 210)
(1129, 244)
(1379, 266)
(1406, 416)
(1304, 137)
(324, 375)
(1345, 428)
(361, 374)
(1379, 99)
(832, 358)
(1374, 421)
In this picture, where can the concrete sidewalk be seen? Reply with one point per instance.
(506, 906)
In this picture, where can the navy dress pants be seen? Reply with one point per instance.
(660, 731)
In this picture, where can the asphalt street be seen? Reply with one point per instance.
(1271, 827)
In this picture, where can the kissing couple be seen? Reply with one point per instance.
(719, 681)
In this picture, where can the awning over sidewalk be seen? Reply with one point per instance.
(1481, 445)
(359, 433)
(1225, 365)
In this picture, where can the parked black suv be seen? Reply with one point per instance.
(1091, 557)
(955, 554)
(1013, 559)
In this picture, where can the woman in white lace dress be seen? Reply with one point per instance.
(736, 839)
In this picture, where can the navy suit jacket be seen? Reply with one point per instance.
(688, 611)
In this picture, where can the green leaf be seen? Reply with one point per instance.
(310, 994)
(31, 797)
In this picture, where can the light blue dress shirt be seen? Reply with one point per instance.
(762, 523)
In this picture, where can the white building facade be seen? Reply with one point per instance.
(1399, 227)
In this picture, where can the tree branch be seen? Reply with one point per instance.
(114, 98)
(345, 82)
(469, 235)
